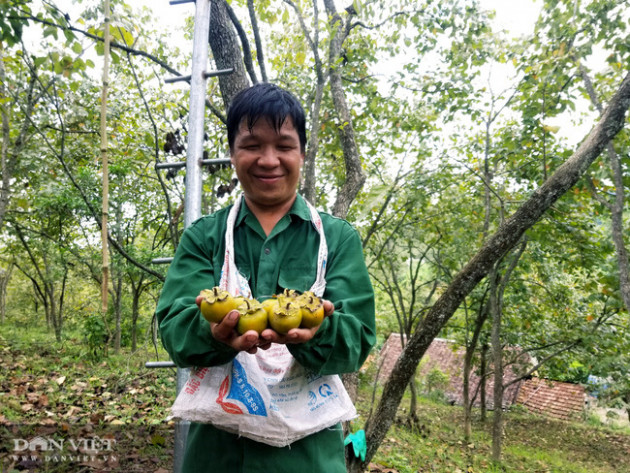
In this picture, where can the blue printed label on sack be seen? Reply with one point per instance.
(322, 396)
(312, 398)
(241, 390)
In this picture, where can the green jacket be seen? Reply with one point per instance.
(285, 259)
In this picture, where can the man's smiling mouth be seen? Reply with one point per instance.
(268, 178)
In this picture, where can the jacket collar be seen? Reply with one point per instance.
(298, 209)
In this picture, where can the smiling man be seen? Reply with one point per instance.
(276, 244)
(267, 153)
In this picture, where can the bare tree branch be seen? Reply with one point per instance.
(247, 51)
(308, 185)
(259, 46)
(113, 44)
(385, 21)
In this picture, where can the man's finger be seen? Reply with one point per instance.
(300, 335)
(247, 342)
(224, 329)
(329, 308)
(270, 336)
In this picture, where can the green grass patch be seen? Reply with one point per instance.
(531, 443)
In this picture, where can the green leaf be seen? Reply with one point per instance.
(121, 35)
(50, 31)
(149, 140)
(38, 61)
(70, 36)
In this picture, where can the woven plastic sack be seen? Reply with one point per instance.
(267, 397)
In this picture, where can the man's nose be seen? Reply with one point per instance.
(268, 156)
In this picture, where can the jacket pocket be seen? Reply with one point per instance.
(300, 278)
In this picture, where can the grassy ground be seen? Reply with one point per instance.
(530, 444)
(107, 415)
(110, 415)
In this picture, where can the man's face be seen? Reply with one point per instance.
(267, 163)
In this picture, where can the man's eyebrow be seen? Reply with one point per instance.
(255, 136)
(287, 136)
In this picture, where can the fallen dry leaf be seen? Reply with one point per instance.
(42, 401)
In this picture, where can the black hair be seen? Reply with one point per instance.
(268, 101)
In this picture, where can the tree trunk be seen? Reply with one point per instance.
(308, 184)
(5, 277)
(62, 295)
(52, 310)
(226, 52)
(616, 207)
(497, 290)
(117, 281)
(351, 383)
(118, 312)
(505, 238)
(355, 177)
(6, 164)
(483, 375)
(413, 403)
(466, 394)
(9, 157)
(497, 361)
(105, 161)
(54, 305)
(616, 215)
(308, 170)
(135, 312)
(49, 323)
(468, 366)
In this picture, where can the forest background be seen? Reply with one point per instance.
(486, 174)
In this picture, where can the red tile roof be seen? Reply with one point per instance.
(560, 400)
(552, 398)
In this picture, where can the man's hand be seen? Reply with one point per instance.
(250, 341)
(225, 332)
